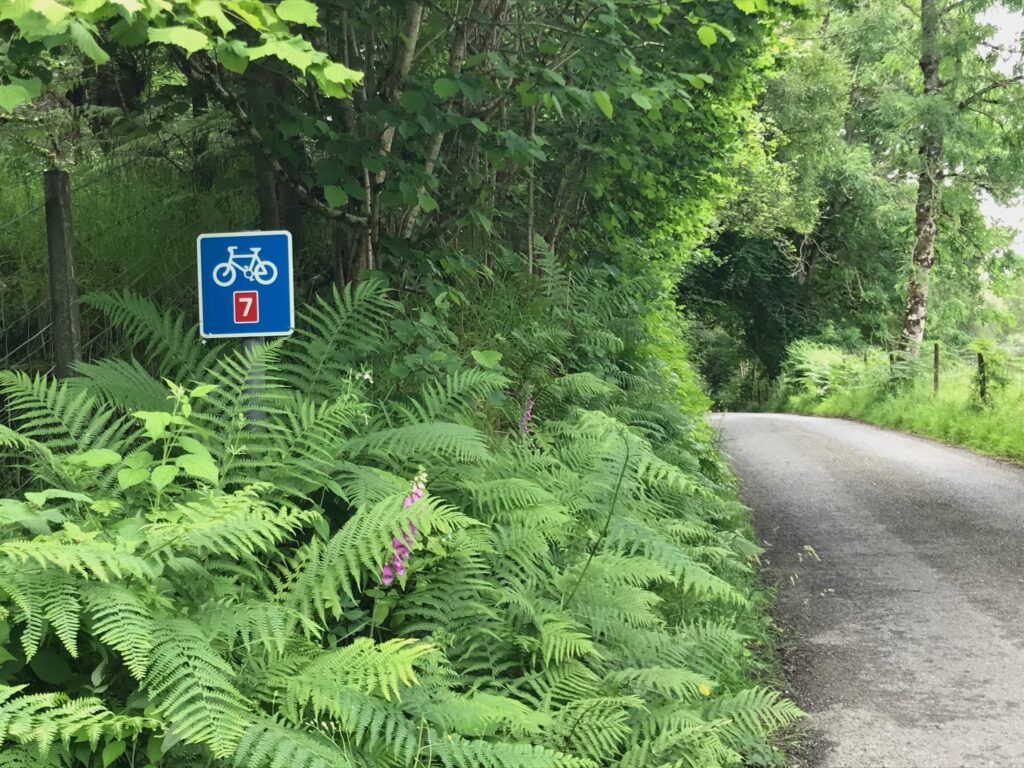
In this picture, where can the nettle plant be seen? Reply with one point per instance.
(250, 569)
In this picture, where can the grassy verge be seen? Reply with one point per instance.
(828, 382)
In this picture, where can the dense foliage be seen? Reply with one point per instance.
(194, 571)
(824, 238)
(469, 515)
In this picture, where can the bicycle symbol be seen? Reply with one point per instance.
(263, 272)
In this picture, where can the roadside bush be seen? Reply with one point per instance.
(379, 543)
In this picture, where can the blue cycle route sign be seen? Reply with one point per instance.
(245, 284)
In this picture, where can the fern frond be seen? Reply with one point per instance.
(122, 621)
(254, 624)
(245, 390)
(668, 682)
(705, 585)
(193, 687)
(165, 342)
(578, 388)
(44, 595)
(28, 757)
(561, 639)
(457, 752)
(597, 728)
(235, 525)
(51, 412)
(40, 719)
(361, 547)
(270, 743)
(482, 715)
(420, 442)
(751, 714)
(460, 392)
(332, 336)
(306, 440)
(122, 384)
(90, 560)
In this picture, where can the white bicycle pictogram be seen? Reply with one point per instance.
(263, 272)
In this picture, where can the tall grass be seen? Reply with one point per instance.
(827, 381)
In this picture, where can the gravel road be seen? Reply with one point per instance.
(907, 644)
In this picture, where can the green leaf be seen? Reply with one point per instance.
(44, 497)
(296, 51)
(51, 667)
(298, 11)
(426, 202)
(163, 476)
(747, 6)
(336, 196)
(130, 33)
(154, 748)
(34, 520)
(202, 390)
(641, 101)
(487, 358)
(199, 466)
(96, 458)
(191, 40)
(342, 75)
(413, 101)
(86, 43)
(129, 477)
(139, 459)
(707, 35)
(211, 9)
(156, 423)
(233, 55)
(192, 445)
(604, 103)
(445, 87)
(19, 92)
(112, 751)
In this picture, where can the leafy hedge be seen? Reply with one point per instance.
(360, 546)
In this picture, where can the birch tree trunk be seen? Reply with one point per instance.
(929, 186)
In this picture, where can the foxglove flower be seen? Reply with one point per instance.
(527, 417)
(402, 548)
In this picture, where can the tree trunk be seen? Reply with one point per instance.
(929, 186)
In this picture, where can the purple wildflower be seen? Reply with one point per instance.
(398, 564)
(403, 549)
(527, 417)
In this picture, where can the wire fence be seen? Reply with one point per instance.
(985, 373)
(136, 213)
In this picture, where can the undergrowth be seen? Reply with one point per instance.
(497, 538)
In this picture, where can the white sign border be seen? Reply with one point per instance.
(291, 284)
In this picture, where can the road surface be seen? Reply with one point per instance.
(908, 633)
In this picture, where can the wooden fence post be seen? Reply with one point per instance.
(982, 379)
(935, 368)
(66, 324)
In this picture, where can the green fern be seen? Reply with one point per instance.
(332, 336)
(53, 413)
(122, 621)
(169, 344)
(193, 688)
